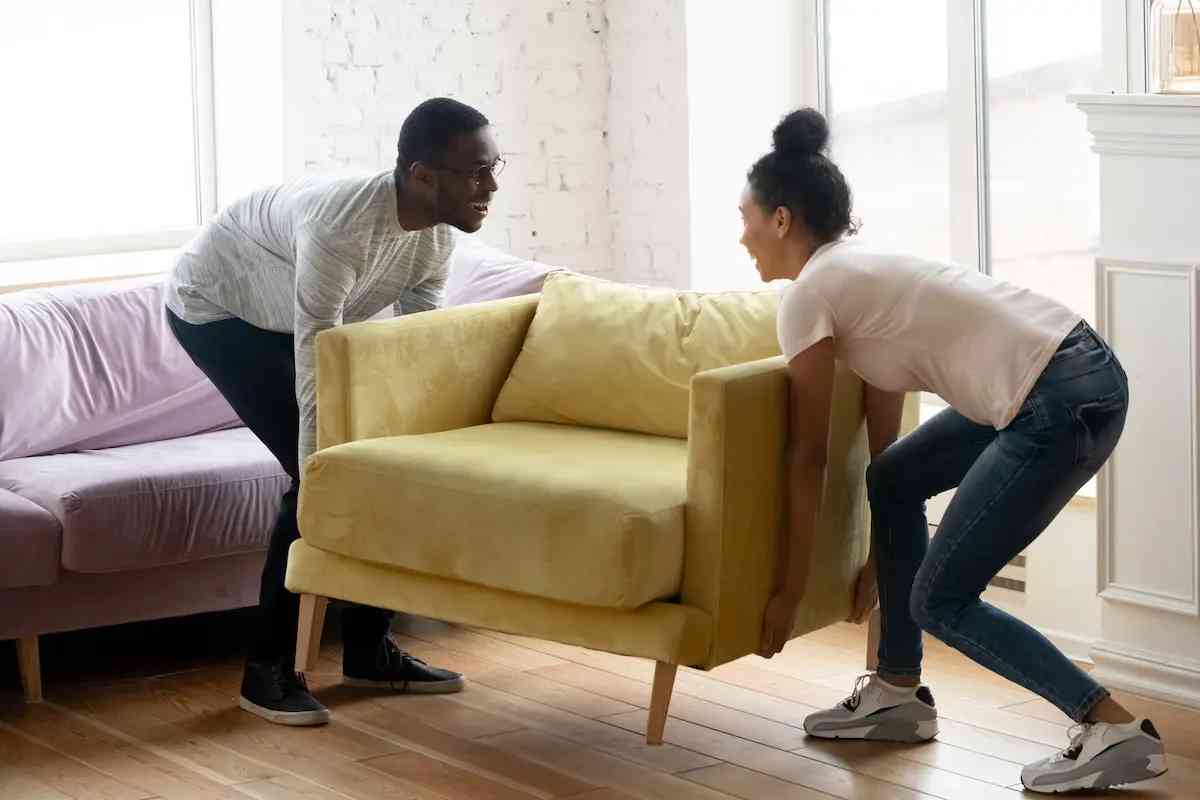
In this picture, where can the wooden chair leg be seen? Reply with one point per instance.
(660, 701)
(873, 640)
(31, 668)
(308, 634)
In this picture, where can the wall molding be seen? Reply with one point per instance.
(1143, 125)
(1164, 146)
(1106, 585)
(1163, 677)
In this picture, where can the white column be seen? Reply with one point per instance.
(1148, 307)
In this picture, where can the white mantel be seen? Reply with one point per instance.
(1148, 307)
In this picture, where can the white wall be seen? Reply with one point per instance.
(537, 68)
(744, 74)
(648, 130)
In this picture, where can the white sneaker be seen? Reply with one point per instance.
(1100, 756)
(879, 711)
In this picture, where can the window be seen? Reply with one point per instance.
(889, 116)
(1043, 176)
(109, 150)
(104, 151)
(734, 100)
(951, 122)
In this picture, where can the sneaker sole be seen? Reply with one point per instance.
(890, 731)
(1117, 772)
(293, 718)
(417, 687)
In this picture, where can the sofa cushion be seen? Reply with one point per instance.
(580, 515)
(148, 505)
(30, 541)
(616, 356)
(98, 368)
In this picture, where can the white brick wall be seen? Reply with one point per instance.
(588, 98)
(648, 140)
(537, 68)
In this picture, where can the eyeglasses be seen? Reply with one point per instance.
(480, 174)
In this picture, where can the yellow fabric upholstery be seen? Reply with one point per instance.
(610, 355)
(417, 374)
(384, 387)
(582, 515)
(736, 502)
(670, 632)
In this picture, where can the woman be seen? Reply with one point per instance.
(1037, 403)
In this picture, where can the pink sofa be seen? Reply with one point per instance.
(128, 488)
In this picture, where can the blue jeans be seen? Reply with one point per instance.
(1011, 484)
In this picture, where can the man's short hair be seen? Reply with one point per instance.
(427, 132)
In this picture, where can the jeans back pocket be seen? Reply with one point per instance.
(1098, 427)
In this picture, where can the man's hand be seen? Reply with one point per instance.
(866, 593)
(778, 622)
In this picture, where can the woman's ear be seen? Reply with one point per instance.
(783, 222)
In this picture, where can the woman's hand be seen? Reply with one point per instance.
(866, 593)
(778, 622)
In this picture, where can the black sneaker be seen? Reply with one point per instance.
(277, 694)
(386, 666)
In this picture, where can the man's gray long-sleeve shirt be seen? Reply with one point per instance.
(306, 256)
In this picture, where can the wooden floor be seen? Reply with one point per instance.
(538, 720)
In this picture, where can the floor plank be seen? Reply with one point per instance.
(134, 710)
(601, 767)
(629, 745)
(751, 785)
(537, 720)
(287, 787)
(445, 780)
(125, 762)
(814, 774)
(62, 773)
(16, 785)
(557, 695)
(470, 755)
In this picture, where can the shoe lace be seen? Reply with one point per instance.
(391, 655)
(852, 702)
(1077, 733)
(289, 680)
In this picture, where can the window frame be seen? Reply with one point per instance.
(1124, 23)
(205, 179)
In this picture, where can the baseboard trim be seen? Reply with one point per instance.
(1073, 646)
(1163, 677)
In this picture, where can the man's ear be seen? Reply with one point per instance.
(419, 173)
(783, 222)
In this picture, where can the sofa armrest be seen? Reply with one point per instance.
(433, 371)
(736, 466)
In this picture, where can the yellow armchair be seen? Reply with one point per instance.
(431, 496)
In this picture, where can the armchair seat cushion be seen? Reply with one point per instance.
(582, 515)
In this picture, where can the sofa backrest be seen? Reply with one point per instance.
(94, 366)
(611, 355)
(479, 273)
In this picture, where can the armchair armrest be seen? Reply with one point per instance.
(433, 371)
(736, 467)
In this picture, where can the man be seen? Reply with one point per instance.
(247, 298)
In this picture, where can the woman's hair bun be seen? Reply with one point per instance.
(804, 132)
